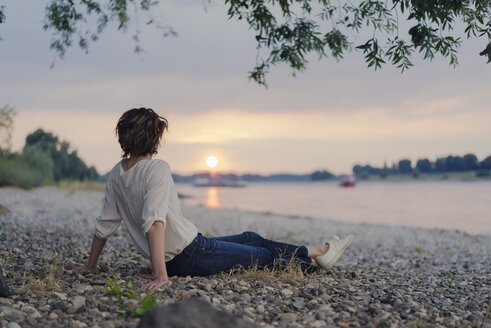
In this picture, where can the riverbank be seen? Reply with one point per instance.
(391, 276)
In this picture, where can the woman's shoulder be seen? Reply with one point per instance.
(159, 163)
(158, 166)
(114, 171)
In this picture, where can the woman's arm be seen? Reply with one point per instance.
(95, 252)
(155, 236)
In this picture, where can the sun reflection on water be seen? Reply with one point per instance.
(212, 199)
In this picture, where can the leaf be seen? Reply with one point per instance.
(148, 302)
(487, 52)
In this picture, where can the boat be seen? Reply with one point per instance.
(348, 181)
(217, 182)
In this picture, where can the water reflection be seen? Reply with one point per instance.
(212, 199)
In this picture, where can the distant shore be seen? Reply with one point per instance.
(391, 276)
(454, 176)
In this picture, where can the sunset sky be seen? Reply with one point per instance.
(330, 117)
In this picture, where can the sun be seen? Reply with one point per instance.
(211, 161)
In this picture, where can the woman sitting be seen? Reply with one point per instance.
(140, 191)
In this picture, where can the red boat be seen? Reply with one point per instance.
(348, 181)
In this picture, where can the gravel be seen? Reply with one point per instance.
(391, 276)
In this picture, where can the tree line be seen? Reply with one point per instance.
(449, 164)
(44, 158)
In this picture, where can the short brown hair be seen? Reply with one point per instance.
(139, 131)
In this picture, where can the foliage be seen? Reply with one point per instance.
(15, 171)
(147, 303)
(7, 114)
(466, 163)
(321, 175)
(404, 166)
(424, 165)
(287, 31)
(114, 288)
(43, 159)
(117, 289)
(66, 163)
(70, 21)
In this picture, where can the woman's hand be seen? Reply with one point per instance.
(157, 283)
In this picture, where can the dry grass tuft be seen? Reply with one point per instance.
(291, 271)
(49, 282)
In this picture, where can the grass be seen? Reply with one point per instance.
(49, 282)
(291, 271)
(81, 185)
(419, 250)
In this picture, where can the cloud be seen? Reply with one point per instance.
(267, 141)
(205, 68)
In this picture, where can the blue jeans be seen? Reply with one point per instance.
(207, 256)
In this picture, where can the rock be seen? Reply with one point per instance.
(107, 324)
(61, 305)
(78, 302)
(19, 291)
(298, 303)
(11, 314)
(286, 292)
(192, 313)
(13, 325)
(35, 315)
(60, 296)
(245, 297)
(103, 267)
(4, 289)
(288, 317)
(28, 265)
(52, 316)
(317, 324)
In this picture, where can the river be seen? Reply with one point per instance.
(463, 205)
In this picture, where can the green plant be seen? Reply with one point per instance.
(419, 250)
(451, 254)
(291, 233)
(121, 290)
(118, 290)
(148, 302)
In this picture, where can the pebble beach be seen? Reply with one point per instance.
(391, 276)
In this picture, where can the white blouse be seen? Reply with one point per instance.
(145, 193)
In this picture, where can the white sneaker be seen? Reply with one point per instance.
(337, 247)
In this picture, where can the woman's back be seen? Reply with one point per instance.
(143, 194)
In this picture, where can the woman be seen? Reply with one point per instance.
(140, 191)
